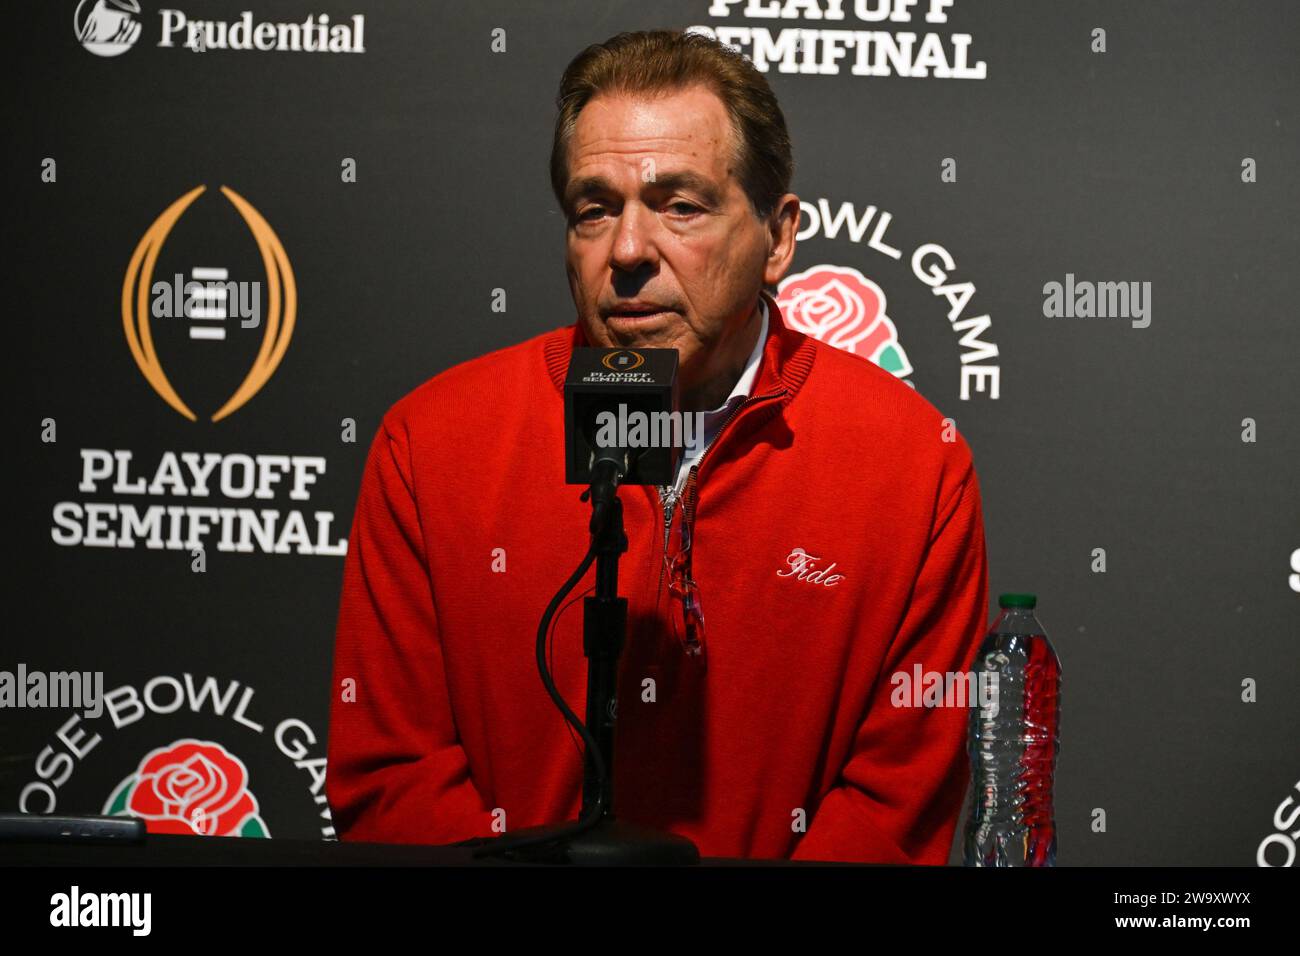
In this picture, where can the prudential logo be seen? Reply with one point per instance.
(111, 27)
(107, 27)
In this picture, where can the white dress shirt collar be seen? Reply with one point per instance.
(714, 419)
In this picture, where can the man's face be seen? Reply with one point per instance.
(663, 247)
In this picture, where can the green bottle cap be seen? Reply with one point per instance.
(1017, 600)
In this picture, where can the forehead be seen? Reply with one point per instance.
(689, 128)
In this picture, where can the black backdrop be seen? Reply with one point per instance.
(1128, 165)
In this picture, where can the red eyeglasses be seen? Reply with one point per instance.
(682, 586)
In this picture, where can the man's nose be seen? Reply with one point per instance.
(634, 243)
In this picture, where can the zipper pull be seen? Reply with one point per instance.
(668, 495)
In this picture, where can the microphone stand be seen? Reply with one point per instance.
(609, 841)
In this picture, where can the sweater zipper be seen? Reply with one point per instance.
(670, 499)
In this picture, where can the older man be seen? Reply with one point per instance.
(826, 537)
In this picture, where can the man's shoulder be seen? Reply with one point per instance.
(872, 407)
(485, 384)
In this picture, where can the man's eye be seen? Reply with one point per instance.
(685, 208)
(588, 211)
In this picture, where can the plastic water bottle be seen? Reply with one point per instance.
(1014, 742)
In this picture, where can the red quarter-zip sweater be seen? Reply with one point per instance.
(785, 738)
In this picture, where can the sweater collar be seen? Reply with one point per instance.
(787, 355)
(744, 386)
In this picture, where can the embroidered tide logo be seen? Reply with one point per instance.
(842, 307)
(190, 787)
(222, 308)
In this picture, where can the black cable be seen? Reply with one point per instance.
(550, 657)
(487, 846)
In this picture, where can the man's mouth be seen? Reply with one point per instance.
(638, 312)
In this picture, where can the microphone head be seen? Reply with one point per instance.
(621, 404)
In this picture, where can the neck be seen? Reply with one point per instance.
(726, 365)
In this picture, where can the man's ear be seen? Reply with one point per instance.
(782, 226)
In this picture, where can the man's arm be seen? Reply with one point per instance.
(396, 770)
(900, 793)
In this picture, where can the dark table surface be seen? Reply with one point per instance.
(180, 850)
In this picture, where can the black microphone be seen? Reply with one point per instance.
(621, 422)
